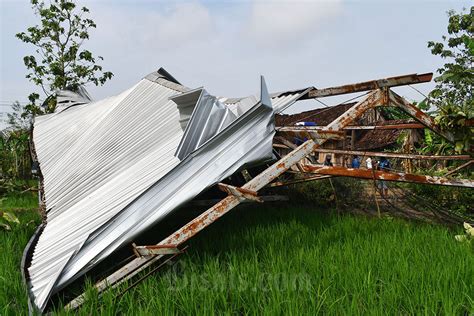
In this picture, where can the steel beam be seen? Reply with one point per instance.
(370, 101)
(369, 127)
(240, 193)
(315, 134)
(393, 155)
(387, 176)
(370, 85)
(418, 115)
(151, 250)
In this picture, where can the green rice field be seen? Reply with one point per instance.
(281, 259)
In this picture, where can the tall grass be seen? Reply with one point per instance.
(19, 201)
(12, 293)
(290, 260)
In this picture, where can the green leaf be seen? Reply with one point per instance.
(428, 137)
(459, 146)
(5, 226)
(56, 40)
(9, 217)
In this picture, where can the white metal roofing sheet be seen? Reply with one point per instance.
(110, 171)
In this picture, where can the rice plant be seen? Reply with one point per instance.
(287, 260)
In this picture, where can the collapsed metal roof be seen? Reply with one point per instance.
(115, 167)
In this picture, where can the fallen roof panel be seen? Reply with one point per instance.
(110, 171)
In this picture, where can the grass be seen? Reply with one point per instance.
(12, 292)
(286, 259)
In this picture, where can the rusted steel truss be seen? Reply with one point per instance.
(379, 95)
(371, 85)
(393, 155)
(212, 214)
(369, 127)
(386, 175)
(418, 115)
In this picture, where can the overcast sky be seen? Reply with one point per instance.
(225, 45)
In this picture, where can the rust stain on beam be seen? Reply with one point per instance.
(387, 176)
(418, 115)
(240, 193)
(373, 99)
(393, 155)
(151, 250)
(368, 127)
(371, 85)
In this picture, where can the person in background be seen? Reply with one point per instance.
(383, 165)
(355, 162)
(368, 163)
(345, 162)
(327, 161)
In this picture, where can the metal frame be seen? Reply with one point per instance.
(379, 95)
(386, 176)
(371, 85)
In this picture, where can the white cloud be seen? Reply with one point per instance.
(287, 21)
(226, 45)
(161, 26)
(188, 21)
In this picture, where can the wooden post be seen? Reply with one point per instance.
(353, 139)
(375, 193)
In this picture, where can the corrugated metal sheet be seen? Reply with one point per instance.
(96, 159)
(210, 117)
(66, 98)
(110, 169)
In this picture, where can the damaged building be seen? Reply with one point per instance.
(112, 169)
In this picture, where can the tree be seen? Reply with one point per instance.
(16, 120)
(453, 95)
(59, 61)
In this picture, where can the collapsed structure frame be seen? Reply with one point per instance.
(379, 95)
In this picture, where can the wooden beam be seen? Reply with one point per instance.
(371, 85)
